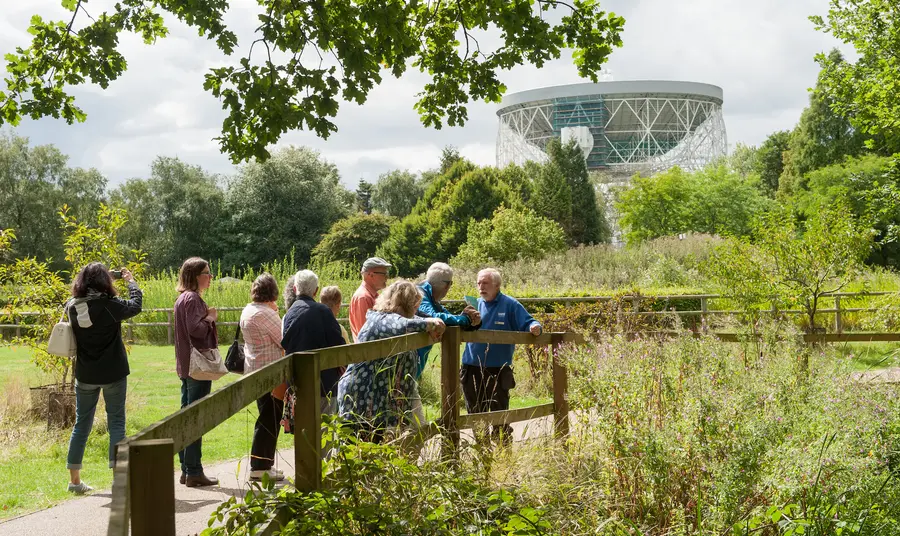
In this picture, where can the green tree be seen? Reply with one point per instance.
(179, 212)
(864, 91)
(509, 235)
(34, 183)
(353, 239)
(650, 207)
(586, 220)
(438, 225)
(288, 201)
(552, 196)
(364, 197)
(795, 264)
(769, 161)
(276, 91)
(396, 193)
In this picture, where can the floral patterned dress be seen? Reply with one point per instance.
(382, 393)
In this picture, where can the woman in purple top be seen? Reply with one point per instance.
(195, 325)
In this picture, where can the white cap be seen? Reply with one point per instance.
(375, 262)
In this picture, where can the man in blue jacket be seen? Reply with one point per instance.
(486, 375)
(437, 283)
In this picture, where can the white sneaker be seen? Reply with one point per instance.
(274, 474)
(79, 489)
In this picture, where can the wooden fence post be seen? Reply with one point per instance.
(120, 504)
(560, 388)
(307, 421)
(838, 320)
(129, 330)
(704, 309)
(450, 390)
(169, 335)
(18, 327)
(152, 487)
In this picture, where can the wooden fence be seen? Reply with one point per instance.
(143, 493)
(703, 314)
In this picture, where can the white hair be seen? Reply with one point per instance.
(494, 273)
(438, 273)
(306, 282)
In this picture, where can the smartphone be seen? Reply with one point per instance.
(116, 274)
(471, 300)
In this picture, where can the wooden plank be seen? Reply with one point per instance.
(838, 319)
(190, 423)
(341, 356)
(854, 337)
(517, 337)
(507, 416)
(119, 511)
(152, 487)
(450, 390)
(560, 391)
(307, 421)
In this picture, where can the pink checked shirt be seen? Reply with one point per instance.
(261, 328)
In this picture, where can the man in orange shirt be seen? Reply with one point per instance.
(375, 275)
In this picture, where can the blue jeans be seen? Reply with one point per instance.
(86, 397)
(191, 391)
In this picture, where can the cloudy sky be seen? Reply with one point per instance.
(760, 53)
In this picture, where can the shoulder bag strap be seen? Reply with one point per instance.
(238, 332)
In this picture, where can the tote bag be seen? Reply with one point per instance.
(62, 338)
(206, 364)
(234, 359)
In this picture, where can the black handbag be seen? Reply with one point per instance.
(234, 360)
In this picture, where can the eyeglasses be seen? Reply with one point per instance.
(448, 283)
(206, 273)
(380, 273)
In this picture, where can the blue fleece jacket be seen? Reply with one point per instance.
(430, 308)
(502, 314)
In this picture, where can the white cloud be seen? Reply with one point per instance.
(760, 53)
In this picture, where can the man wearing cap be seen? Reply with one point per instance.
(374, 278)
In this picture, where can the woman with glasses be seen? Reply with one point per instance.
(195, 325)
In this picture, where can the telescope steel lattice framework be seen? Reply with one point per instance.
(636, 126)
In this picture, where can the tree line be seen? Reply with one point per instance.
(294, 203)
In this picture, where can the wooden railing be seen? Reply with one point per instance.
(143, 494)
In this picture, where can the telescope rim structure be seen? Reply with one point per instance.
(640, 126)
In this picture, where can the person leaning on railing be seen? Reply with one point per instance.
(379, 395)
(261, 328)
(195, 325)
(486, 375)
(438, 281)
(101, 364)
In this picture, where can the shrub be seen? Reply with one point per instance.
(353, 239)
(509, 235)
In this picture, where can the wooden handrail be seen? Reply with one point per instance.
(506, 417)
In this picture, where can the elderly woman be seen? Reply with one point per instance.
(383, 393)
(438, 281)
(262, 345)
(195, 326)
(101, 364)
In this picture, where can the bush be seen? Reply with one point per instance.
(353, 239)
(509, 235)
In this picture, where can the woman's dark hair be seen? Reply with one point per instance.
(264, 289)
(189, 273)
(93, 276)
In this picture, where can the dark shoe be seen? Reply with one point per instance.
(181, 480)
(200, 481)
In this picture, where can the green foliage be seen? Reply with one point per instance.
(290, 200)
(439, 223)
(376, 489)
(177, 213)
(34, 183)
(793, 266)
(364, 197)
(509, 235)
(587, 222)
(769, 164)
(864, 91)
(266, 97)
(713, 200)
(353, 239)
(552, 197)
(396, 193)
(43, 291)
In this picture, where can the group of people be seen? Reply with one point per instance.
(373, 397)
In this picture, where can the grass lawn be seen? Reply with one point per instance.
(872, 355)
(33, 459)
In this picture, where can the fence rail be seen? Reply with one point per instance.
(143, 489)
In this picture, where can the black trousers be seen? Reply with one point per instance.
(487, 389)
(265, 432)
